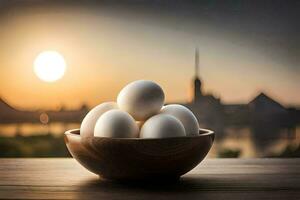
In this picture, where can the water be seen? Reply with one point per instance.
(251, 144)
(243, 142)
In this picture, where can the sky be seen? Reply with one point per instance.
(245, 47)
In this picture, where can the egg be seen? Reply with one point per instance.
(116, 124)
(89, 121)
(185, 116)
(141, 99)
(162, 126)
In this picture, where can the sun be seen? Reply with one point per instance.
(49, 66)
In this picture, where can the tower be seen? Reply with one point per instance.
(197, 81)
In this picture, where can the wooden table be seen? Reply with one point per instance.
(212, 179)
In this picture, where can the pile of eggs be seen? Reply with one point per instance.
(139, 113)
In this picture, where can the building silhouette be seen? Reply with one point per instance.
(260, 111)
(207, 108)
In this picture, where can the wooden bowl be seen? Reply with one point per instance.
(139, 159)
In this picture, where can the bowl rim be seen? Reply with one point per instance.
(207, 132)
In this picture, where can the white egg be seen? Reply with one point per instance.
(185, 116)
(89, 121)
(141, 99)
(116, 124)
(162, 126)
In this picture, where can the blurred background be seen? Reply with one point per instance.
(234, 63)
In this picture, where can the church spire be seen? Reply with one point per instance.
(197, 81)
(196, 62)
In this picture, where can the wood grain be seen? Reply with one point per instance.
(212, 179)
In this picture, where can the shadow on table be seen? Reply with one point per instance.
(184, 187)
(204, 186)
(183, 183)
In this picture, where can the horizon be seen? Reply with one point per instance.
(58, 108)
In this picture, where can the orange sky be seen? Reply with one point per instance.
(105, 51)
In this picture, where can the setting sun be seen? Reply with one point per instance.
(49, 66)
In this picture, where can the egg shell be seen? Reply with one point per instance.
(116, 124)
(88, 124)
(185, 116)
(162, 126)
(141, 99)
